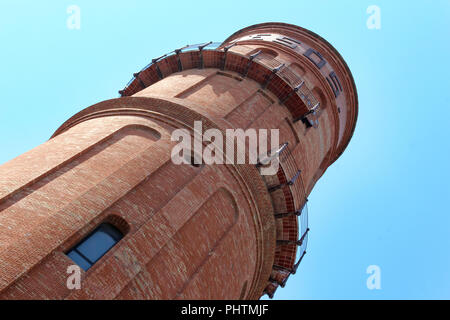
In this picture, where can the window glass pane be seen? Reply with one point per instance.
(96, 245)
(79, 260)
(112, 231)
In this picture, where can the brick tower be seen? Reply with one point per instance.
(103, 193)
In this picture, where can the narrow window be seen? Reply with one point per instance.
(95, 245)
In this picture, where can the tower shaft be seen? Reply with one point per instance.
(189, 231)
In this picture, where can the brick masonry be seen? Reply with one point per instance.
(206, 232)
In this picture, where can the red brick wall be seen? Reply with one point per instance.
(205, 232)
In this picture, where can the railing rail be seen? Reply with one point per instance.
(290, 91)
(294, 181)
(200, 46)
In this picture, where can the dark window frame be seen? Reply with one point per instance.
(104, 230)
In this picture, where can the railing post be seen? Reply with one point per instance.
(270, 77)
(250, 60)
(299, 242)
(287, 214)
(311, 111)
(158, 71)
(225, 50)
(200, 49)
(276, 154)
(294, 269)
(292, 92)
(177, 53)
(289, 183)
(136, 76)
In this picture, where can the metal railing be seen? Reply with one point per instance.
(200, 46)
(295, 82)
(294, 181)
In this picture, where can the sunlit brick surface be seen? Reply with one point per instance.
(207, 232)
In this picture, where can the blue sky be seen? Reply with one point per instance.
(384, 202)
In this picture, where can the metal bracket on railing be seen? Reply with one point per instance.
(315, 108)
(270, 77)
(297, 213)
(158, 71)
(289, 183)
(303, 118)
(283, 284)
(292, 92)
(291, 271)
(225, 49)
(228, 47)
(155, 62)
(159, 58)
(177, 53)
(202, 46)
(136, 76)
(249, 63)
(302, 225)
(294, 269)
(269, 158)
(312, 110)
(200, 49)
(299, 242)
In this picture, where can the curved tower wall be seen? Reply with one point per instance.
(190, 232)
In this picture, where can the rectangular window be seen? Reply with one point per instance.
(95, 245)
